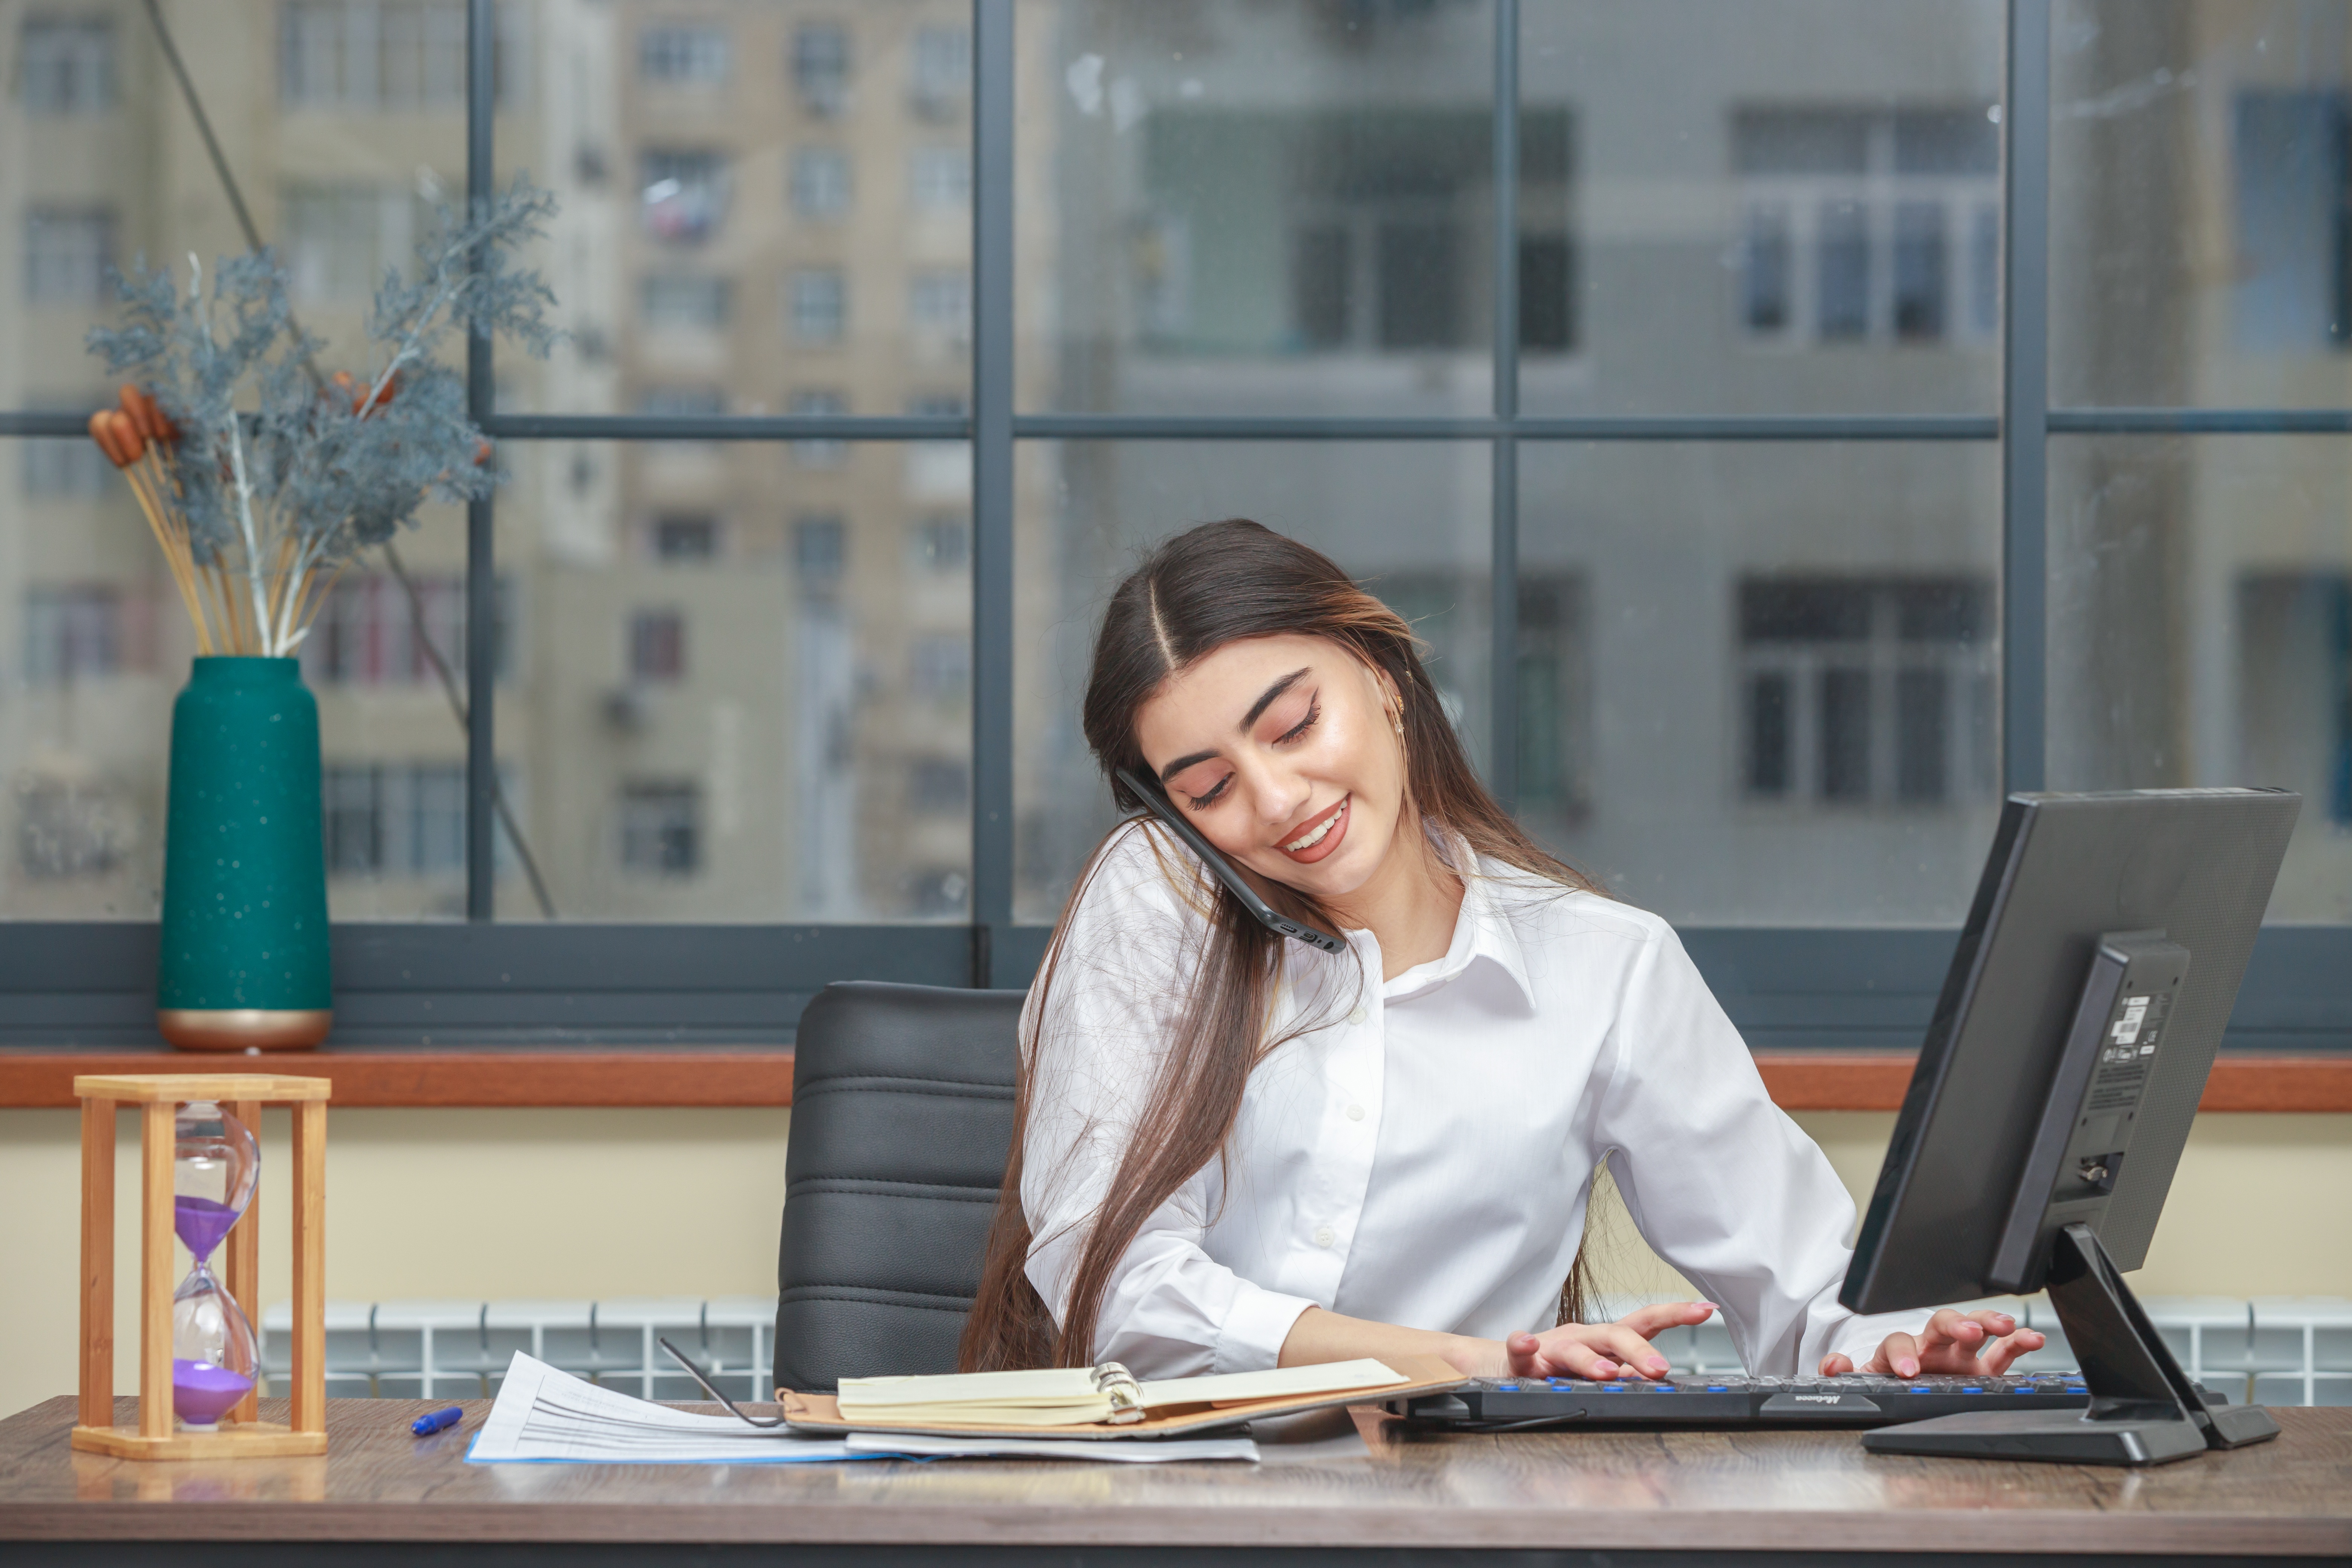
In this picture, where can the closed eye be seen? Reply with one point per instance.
(1203, 801)
(1314, 711)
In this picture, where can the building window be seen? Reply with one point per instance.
(942, 545)
(939, 304)
(820, 550)
(939, 668)
(940, 70)
(1862, 226)
(684, 538)
(817, 305)
(69, 828)
(937, 784)
(2294, 699)
(820, 183)
(657, 647)
(72, 633)
(2294, 264)
(691, 302)
(677, 55)
(393, 819)
(388, 56)
(819, 453)
(1867, 693)
(683, 194)
(65, 65)
(661, 828)
(339, 239)
(821, 67)
(366, 631)
(68, 252)
(1555, 697)
(692, 401)
(60, 468)
(938, 179)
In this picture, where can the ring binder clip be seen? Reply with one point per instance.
(1125, 1393)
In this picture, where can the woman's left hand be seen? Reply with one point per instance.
(1971, 1344)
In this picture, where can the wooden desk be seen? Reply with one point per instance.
(1708, 1493)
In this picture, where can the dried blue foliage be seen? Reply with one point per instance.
(271, 451)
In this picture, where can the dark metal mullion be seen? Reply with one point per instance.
(1667, 428)
(2200, 421)
(481, 516)
(725, 428)
(2025, 399)
(1502, 679)
(992, 484)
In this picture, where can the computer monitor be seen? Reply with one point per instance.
(2054, 1096)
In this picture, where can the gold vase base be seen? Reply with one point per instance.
(244, 1028)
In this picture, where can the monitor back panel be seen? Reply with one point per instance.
(2198, 864)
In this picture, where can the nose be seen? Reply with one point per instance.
(1276, 793)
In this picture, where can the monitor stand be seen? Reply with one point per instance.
(2144, 1410)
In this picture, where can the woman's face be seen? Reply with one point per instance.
(1280, 750)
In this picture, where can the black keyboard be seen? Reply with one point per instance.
(1696, 1400)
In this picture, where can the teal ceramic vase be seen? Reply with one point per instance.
(244, 956)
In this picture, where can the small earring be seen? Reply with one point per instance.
(1396, 722)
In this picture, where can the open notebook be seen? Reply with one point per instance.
(1104, 1401)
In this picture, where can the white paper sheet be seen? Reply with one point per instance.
(1118, 1450)
(546, 1417)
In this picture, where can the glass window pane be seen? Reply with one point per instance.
(2200, 631)
(2201, 204)
(1761, 209)
(1409, 520)
(1248, 208)
(745, 692)
(1776, 699)
(767, 199)
(344, 122)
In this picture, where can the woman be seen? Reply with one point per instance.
(1234, 1151)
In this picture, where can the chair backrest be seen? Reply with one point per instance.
(902, 1122)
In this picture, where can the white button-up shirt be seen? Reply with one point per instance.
(1423, 1152)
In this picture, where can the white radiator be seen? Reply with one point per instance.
(2271, 1351)
(460, 1350)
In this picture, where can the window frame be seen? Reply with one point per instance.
(508, 981)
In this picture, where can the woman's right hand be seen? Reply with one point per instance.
(1601, 1352)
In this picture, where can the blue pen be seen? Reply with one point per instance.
(424, 1426)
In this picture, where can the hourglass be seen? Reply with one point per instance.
(200, 1170)
(215, 1164)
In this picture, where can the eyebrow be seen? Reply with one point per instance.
(1266, 700)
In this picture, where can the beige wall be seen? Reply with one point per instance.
(504, 1204)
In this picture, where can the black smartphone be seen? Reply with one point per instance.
(1235, 883)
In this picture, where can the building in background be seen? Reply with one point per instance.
(1756, 682)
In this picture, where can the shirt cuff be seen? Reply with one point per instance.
(1255, 1323)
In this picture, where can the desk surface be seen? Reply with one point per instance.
(1809, 1491)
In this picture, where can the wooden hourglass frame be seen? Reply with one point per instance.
(159, 1098)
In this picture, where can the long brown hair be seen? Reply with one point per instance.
(1214, 584)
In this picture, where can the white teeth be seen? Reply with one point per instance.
(1310, 840)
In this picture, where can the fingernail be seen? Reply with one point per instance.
(1709, 1305)
(1656, 1365)
(1908, 1368)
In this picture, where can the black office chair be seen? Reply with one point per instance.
(902, 1121)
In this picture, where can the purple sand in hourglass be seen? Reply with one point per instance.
(201, 1223)
(201, 1392)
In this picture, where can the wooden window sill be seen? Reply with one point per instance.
(763, 1075)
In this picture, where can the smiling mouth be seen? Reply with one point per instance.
(1319, 831)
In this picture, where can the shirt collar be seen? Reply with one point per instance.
(1482, 931)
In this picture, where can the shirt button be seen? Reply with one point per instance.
(1324, 1236)
(1356, 1018)
(1355, 1113)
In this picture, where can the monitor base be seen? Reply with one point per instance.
(2052, 1438)
(2144, 1410)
